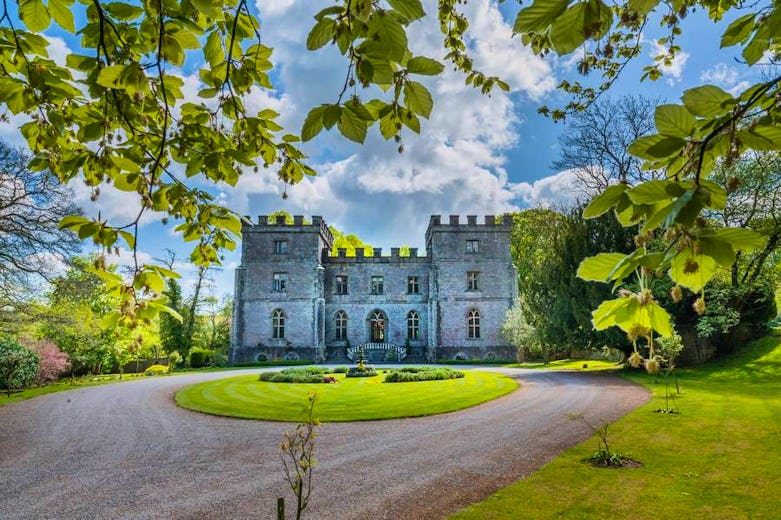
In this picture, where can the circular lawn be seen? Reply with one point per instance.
(350, 399)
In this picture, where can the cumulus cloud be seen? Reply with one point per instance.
(674, 70)
(558, 190)
(725, 76)
(458, 163)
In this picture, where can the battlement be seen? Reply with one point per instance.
(454, 223)
(281, 224)
(375, 257)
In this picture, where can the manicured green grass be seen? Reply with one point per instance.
(572, 364)
(351, 399)
(718, 459)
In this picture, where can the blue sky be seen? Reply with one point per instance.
(476, 155)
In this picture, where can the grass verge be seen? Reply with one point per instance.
(578, 365)
(351, 399)
(717, 459)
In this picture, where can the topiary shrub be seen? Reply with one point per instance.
(361, 371)
(416, 374)
(18, 365)
(298, 375)
(200, 357)
(156, 370)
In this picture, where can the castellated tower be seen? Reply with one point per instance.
(279, 302)
(295, 301)
(473, 283)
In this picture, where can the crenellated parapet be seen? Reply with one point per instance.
(455, 223)
(376, 256)
(281, 224)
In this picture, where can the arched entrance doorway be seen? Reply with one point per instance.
(377, 327)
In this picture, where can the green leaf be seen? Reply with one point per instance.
(658, 318)
(671, 213)
(674, 121)
(352, 127)
(719, 250)
(130, 239)
(604, 316)
(410, 9)
(707, 101)
(599, 268)
(692, 270)
(417, 98)
(110, 321)
(109, 76)
(34, 14)
(204, 6)
(756, 48)
(123, 11)
(655, 147)
(73, 222)
(423, 65)
(313, 124)
(717, 195)
(738, 31)
(651, 192)
(761, 137)
(63, 16)
(539, 16)
(332, 115)
(388, 35)
(125, 164)
(213, 51)
(567, 33)
(643, 7)
(606, 200)
(742, 239)
(322, 33)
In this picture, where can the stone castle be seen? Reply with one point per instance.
(294, 300)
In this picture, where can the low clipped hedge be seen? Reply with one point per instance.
(496, 361)
(361, 372)
(298, 375)
(415, 374)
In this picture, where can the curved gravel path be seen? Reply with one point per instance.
(126, 451)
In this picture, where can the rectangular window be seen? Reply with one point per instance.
(340, 285)
(472, 278)
(377, 285)
(413, 285)
(280, 246)
(472, 246)
(280, 282)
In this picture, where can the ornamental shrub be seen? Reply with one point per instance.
(200, 357)
(53, 361)
(361, 371)
(18, 365)
(415, 374)
(339, 370)
(296, 375)
(156, 370)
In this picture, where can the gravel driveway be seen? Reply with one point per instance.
(126, 451)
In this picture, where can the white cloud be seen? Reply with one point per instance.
(455, 166)
(125, 258)
(674, 70)
(558, 190)
(721, 74)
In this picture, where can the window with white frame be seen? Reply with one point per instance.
(472, 246)
(413, 325)
(473, 324)
(278, 324)
(280, 282)
(280, 246)
(340, 284)
(473, 281)
(340, 322)
(378, 285)
(413, 285)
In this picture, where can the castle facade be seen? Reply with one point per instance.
(294, 300)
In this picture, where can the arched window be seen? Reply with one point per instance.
(278, 324)
(473, 324)
(341, 325)
(413, 325)
(377, 327)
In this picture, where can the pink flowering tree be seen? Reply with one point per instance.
(54, 362)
